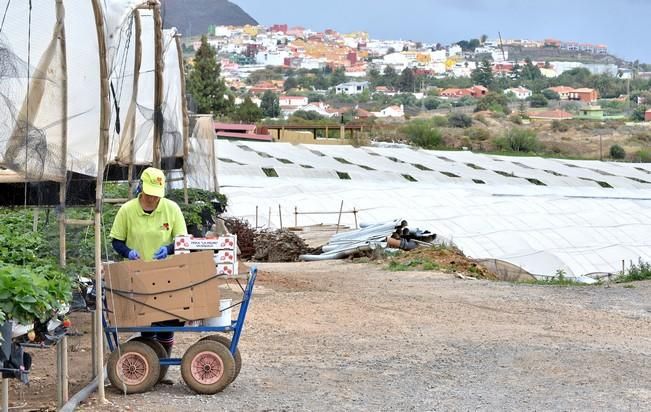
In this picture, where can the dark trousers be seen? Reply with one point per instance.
(165, 338)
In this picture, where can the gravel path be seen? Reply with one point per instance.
(343, 336)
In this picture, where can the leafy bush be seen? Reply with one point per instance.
(641, 271)
(551, 95)
(617, 152)
(459, 120)
(643, 156)
(440, 121)
(515, 118)
(518, 140)
(494, 102)
(478, 133)
(28, 293)
(538, 100)
(431, 103)
(638, 113)
(423, 134)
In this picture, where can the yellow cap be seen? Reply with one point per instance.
(153, 182)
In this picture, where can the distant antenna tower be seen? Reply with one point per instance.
(501, 46)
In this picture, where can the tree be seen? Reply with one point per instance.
(290, 83)
(374, 77)
(638, 113)
(247, 111)
(204, 83)
(407, 80)
(483, 38)
(422, 134)
(483, 74)
(538, 100)
(617, 152)
(518, 140)
(390, 76)
(551, 95)
(530, 71)
(270, 105)
(460, 120)
(474, 43)
(338, 76)
(431, 103)
(495, 102)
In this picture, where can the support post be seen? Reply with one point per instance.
(269, 219)
(5, 395)
(186, 120)
(341, 208)
(158, 85)
(105, 110)
(280, 216)
(295, 216)
(355, 215)
(256, 217)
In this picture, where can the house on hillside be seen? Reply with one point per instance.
(391, 111)
(549, 115)
(288, 102)
(239, 131)
(454, 93)
(351, 88)
(520, 92)
(584, 95)
(647, 115)
(562, 91)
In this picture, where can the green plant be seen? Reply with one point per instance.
(643, 156)
(617, 152)
(478, 133)
(559, 126)
(459, 120)
(27, 293)
(423, 134)
(639, 271)
(518, 140)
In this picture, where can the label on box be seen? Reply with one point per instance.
(225, 256)
(227, 269)
(188, 242)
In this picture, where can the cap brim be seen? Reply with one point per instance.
(153, 190)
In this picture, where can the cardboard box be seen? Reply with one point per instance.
(139, 293)
(227, 269)
(225, 256)
(188, 242)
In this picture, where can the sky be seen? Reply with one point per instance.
(620, 24)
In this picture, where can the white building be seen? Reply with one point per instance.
(292, 101)
(272, 58)
(351, 88)
(317, 107)
(520, 92)
(391, 111)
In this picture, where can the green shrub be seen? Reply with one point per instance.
(431, 103)
(478, 133)
(641, 271)
(617, 152)
(538, 100)
(422, 134)
(494, 102)
(518, 140)
(440, 121)
(551, 95)
(643, 156)
(515, 118)
(459, 120)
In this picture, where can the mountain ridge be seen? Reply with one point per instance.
(194, 17)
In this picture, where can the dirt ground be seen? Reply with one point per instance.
(354, 336)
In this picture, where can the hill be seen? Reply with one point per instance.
(193, 17)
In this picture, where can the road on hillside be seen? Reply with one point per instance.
(326, 336)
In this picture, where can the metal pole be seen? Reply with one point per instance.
(280, 216)
(269, 219)
(158, 86)
(339, 219)
(5, 395)
(256, 217)
(93, 343)
(64, 369)
(186, 120)
(355, 215)
(295, 216)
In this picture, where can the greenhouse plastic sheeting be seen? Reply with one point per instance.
(543, 215)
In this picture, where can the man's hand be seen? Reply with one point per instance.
(161, 253)
(134, 255)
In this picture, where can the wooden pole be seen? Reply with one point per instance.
(280, 216)
(339, 219)
(295, 216)
(158, 85)
(256, 217)
(134, 97)
(105, 111)
(62, 346)
(213, 163)
(355, 215)
(5, 395)
(269, 219)
(186, 120)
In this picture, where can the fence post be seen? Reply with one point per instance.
(355, 215)
(295, 216)
(341, 207)
(280, 216)
(269, 220)
(5, 395)
(256, 217)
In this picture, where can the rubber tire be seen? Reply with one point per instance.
(227, 342)
(227, 360)
(160, 352)
(151, 358)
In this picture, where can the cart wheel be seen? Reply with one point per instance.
(160, 352)
(134, 367)
(227, 342)
(207, 367)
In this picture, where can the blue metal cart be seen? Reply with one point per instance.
(207, 367)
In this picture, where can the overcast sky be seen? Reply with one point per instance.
(620, 24)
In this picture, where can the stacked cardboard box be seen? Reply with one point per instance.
(224, 250)
(181, 287)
